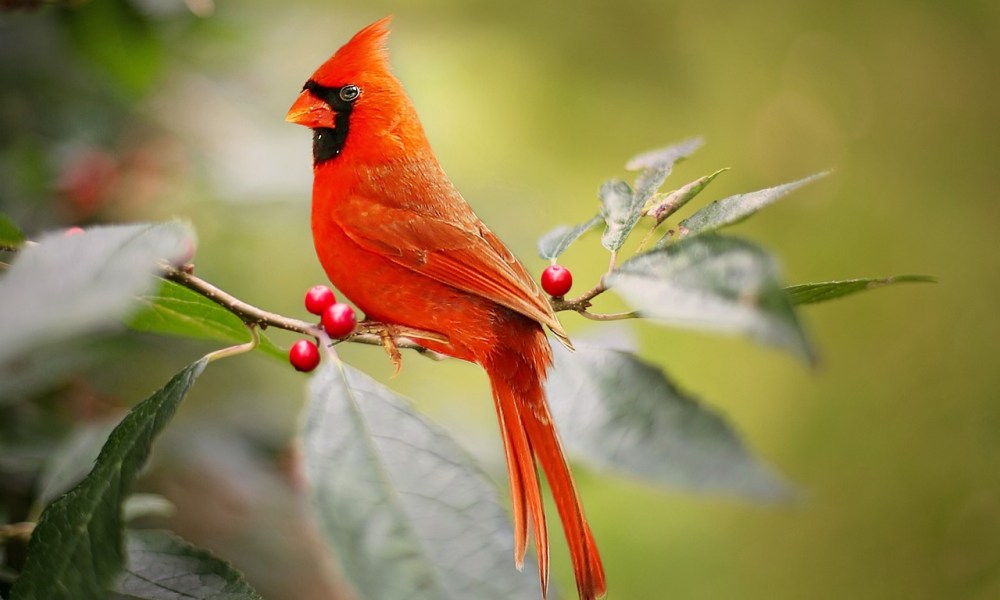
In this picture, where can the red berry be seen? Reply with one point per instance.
(339, 320)
(73, 231)
(304, 356)
(319, 298)
(556, 280)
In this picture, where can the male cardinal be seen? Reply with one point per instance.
(397, 238)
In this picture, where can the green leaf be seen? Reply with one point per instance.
(406, 510)
(66, 287)
(10, 234)
(162, 566)
(711, 282)
(663, 207)
(655, 159)
(76, 550)
(176, 310)
(809, 293)
(620, 211)
(556, 241)
(620, 413)
(737, 208)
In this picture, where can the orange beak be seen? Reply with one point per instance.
(310, 111)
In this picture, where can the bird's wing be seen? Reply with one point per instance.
(463, 254)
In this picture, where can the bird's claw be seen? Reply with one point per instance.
(388, 337)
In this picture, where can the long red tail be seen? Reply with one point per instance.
(516, 373)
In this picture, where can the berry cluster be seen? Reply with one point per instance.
(338, 321)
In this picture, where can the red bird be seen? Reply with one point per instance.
(397, 238)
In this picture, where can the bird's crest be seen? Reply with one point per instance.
(364, 53)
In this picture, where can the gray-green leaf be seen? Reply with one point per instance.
(655, 159)
(68, 286)
(76, 550)
(661, 208)
(734, 209)
(809, 293)
(620, 210)
(408, 513)
(712, 282)
(557, 240)
(162, 566)
(621, 413)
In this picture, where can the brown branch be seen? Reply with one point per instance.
(632, 314)
(367, 332)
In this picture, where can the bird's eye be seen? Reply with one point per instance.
(349, 93)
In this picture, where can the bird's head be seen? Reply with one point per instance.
(353, 102)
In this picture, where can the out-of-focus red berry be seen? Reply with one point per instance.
(70, 231)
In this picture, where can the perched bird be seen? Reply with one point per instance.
(396, 237)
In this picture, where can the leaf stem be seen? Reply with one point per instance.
(237, 349)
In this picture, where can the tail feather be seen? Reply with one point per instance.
(529, 434)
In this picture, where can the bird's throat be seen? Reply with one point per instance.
(328, 142)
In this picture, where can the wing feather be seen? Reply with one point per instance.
(461, 253)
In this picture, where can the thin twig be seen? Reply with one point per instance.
(609, 316)
(367, 331)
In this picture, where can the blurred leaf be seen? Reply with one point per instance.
(736, 208)
(10, 235)
(712, 282)
(76, 550)
(655, 159)
(663, 207)
(71, 460)
(620, 211)
(405, 509)
(622, 414)
(116, 37)
(176, 310)
(809, 293)
(555, 242)
(161, 566)
(69, 286)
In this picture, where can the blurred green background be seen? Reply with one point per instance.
(148, 109)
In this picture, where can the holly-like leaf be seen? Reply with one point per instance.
(620, 413)
(162, 566)
(10, 234)
(76, 549)
(557, 240)
(717, 283)
(809, 293)
(734, 209)
(68, 286)
(405, 509)
(620, 211)
(176, 310)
